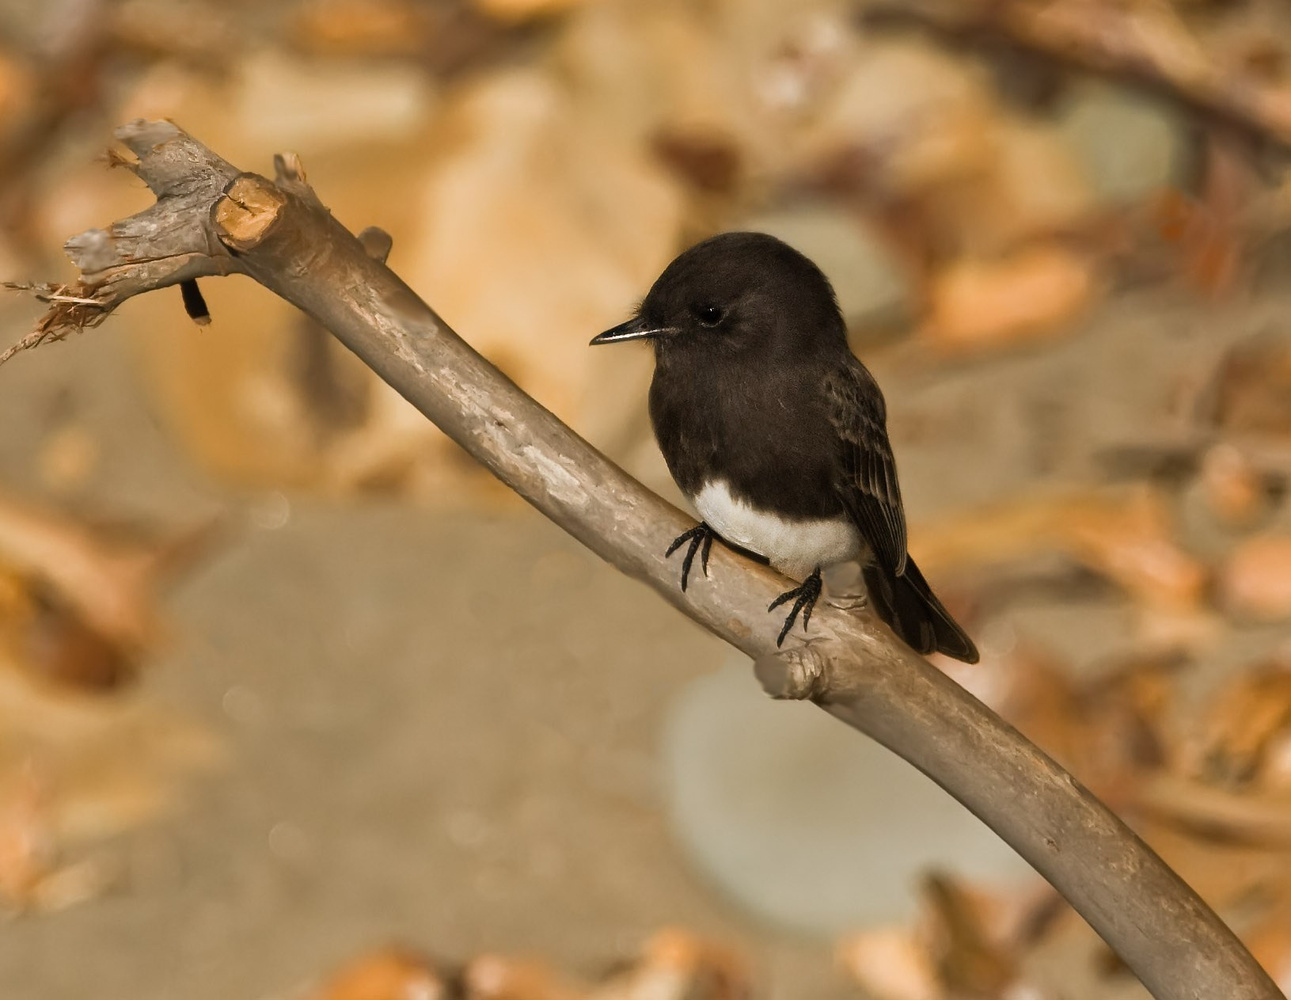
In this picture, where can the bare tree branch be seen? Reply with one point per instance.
(1140, 43)
(210, 219)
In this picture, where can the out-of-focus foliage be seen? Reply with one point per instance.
(82, 755)
(538, 163)
(672, 965)
(987, 184)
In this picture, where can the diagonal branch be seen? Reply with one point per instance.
(212, 220)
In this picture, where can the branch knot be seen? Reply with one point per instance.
(798, 674)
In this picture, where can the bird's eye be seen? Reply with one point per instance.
(709, 315)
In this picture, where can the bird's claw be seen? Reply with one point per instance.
(804, 599)
(700, 538)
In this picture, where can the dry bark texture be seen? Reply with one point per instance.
(211, 219)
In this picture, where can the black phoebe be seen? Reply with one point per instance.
(776, 433)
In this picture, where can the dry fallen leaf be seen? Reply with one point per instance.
(524, 10)
(1270, 945)
(17, 91)
(110, 585)
(1134, 544)
(1246, 718)
(27, 843)
(389, 974)
(202, 34)
(969, 960)
(890, 963)
(1235, 489)
(678, 965)
(539, 233)
(1209, 234)
(79, 758)
(1027, 296)
(1225, 870)
(111, 763)
(43, 637)
(361, 27)
(1125, 728)
(1254, 581)
(76, 769)
(497, 977)
(1127, 536)
(1249, 817)
(966, 942)
(1251, 392)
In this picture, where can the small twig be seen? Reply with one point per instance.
(210, 219)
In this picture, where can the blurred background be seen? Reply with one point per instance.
(296, 702)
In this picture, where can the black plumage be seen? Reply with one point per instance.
(774, 429)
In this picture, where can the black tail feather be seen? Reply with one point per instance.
(907, 603)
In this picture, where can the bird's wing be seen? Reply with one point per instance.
(868, 483)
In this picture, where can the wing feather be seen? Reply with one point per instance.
(868, 484)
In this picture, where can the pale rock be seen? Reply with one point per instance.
(638, 68)
(915, 127)
(1131, 144)
(920, 116)
(806, 825)
(538, 234)
(864, 271)
(740, 73)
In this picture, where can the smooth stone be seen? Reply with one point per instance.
(804, 822)
(1131, 145)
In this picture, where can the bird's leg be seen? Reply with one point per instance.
(804, 599)
(700, 538)
(847, 590)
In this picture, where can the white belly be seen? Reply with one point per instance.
(793, 547)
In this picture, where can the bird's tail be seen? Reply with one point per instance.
(907, 603)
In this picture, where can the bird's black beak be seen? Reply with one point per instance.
(633, 329)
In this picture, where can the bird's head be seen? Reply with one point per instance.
(736, 292)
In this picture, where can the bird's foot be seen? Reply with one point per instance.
(700, 538)
(804, 599)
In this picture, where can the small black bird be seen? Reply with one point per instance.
(777, 433)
